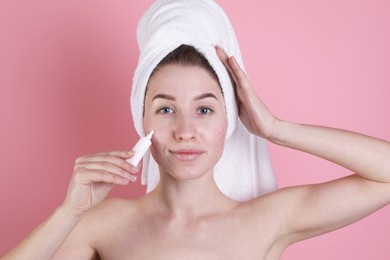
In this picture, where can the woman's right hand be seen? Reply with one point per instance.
(94, 176)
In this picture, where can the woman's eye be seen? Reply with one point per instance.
(165, 110)
(205, 110)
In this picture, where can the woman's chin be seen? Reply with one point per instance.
(187, 173)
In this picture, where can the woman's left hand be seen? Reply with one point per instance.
(253, 113)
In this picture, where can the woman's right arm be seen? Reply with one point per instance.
(93, 178)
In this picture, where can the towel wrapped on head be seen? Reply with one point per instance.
(244, 170)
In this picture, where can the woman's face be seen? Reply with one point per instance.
(185, 107)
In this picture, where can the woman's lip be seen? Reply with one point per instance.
(187, 154)
(187, 151)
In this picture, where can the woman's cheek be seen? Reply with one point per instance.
(220, 140)
(159, 141)
(216, 136)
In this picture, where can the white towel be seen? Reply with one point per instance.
(244, 170)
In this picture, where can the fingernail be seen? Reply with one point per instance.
(223, 50)
(219, 48)
(133, 178)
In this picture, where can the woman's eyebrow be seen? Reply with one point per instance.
(206, 95)
(169, 97)
(164, 96)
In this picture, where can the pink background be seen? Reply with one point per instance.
(65, 79)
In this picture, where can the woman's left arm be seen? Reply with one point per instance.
(316, 209)
(367, 156)
(311, 210)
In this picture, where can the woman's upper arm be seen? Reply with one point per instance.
(316, 209)
(79, 244)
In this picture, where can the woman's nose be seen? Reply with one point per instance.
(185, 129)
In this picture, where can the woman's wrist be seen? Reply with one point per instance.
(276, 135)
(68, 212)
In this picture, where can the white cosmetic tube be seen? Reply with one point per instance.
(140, 149)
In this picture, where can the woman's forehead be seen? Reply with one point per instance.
(179, 79)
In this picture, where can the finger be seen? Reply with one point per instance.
(114, 160)
(120, 154)
(110, 158)
(86, 176)
(107, 167)
(222, 55)
(242, 79)
(225, 60)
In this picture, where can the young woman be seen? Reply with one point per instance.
(186, 216)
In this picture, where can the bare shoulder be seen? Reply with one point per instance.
(269, 217)
(110, 215)
(272, 205)
(102, 224)
(112, 207)
(260, 223)
(264, 214)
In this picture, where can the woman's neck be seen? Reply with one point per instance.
(189, 199)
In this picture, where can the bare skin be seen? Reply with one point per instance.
(186, 216)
